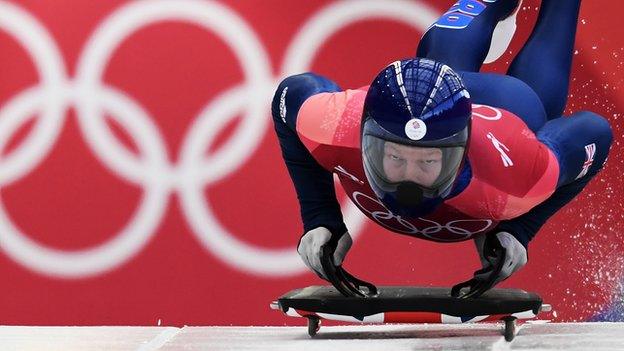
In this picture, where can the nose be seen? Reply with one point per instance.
(413, 173)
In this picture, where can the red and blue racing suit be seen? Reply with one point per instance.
(525, 160)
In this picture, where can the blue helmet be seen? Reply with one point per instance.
(415, 131)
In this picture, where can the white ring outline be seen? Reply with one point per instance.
(48, 61)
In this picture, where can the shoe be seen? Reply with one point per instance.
(503, 34)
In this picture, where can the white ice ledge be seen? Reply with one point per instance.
(553, 336)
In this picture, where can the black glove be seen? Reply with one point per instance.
(323, 253)
(501, 255)
(310, 249)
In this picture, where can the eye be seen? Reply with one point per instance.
(395, 158)
(430, 162)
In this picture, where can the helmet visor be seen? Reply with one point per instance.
(431, 168)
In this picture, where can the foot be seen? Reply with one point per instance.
(503, 34)
(510, 8)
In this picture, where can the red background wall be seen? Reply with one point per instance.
(77, 194)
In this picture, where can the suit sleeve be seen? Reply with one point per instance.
(314, 184)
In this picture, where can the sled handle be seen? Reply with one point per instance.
(478, 287)
(343, 281)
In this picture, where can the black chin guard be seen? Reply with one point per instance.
(409, 194)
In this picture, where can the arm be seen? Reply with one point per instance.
(581, 144)
(503, 251)
(571, 139)
(525, 227)
(314, 185)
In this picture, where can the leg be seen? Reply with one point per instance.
(581, 144)
(461, 38)
(546, 58)
(508, 93)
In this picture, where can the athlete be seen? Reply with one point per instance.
(436, 150)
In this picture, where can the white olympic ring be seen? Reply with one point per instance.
(152, 170)
(381, 216)
(407, 227)
(498, 114)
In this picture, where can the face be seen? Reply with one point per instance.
(415, 164)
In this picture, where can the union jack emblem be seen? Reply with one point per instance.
(590, 153)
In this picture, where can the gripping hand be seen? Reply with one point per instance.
(310, 248)
(501, 255)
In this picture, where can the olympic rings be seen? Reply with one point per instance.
(395, 223)
(151, 170)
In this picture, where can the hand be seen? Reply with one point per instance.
(310, 248)
(501, 255)
(501, 246)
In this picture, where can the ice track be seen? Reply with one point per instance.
(573, 336)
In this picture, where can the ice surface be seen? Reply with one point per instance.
(82, 338)
(560, 336)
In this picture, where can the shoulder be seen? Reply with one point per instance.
(332, 118)
(512, 171)
(294, 90)
(505, 153)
